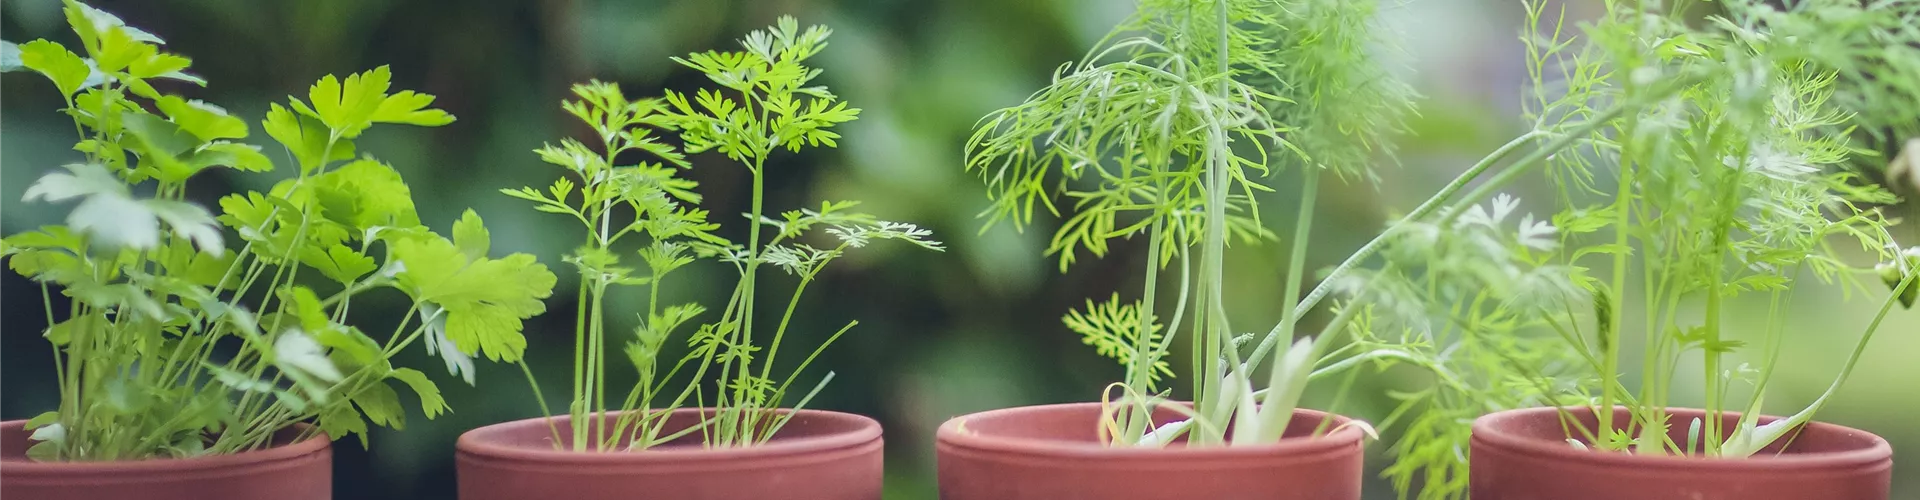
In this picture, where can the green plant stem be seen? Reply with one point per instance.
(1296, 266)
(1212, 314)
(1373, 246)
(1610, 336)
(576, 407)
(1145, 354)
(766, 369)
(540, 398)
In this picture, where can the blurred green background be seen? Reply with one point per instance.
(941, 334)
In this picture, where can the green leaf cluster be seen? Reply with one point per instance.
(155, 286)
(1701, 162)
(766, 102)
(1167, 130)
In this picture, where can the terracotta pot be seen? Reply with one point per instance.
(819, 455)
(1524, 455)
(1053, 452)
(287, 471)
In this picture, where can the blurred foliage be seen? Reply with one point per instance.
(941, 334)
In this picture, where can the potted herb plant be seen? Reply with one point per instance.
(1704, 163)
(1162, 133)
(188, 370)
(721, 432)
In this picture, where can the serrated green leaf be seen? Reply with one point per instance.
(470, 235)
(304, 305)
(159, 144)
(352, 350)
(365, 194)
(205, 121)
(350, 106)
(305, 137)
(340, 421)
(338, 263)
(409, 107)
(245, 157)
(381, 406)
(67, 70)
(118, 50)
(347, 107)
(430, 401)
(485, 299)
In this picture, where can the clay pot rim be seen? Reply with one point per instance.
(164, 466)
(1486, 433)
(1344, 439)
(486, 442)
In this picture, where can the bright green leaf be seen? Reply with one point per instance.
(470, 236)
(381, 406)
(65, 68)
(430, 401)
(409, 107)
(485, 300)
(305, 137)
(339, 421)
(365, 194)
(338, 263)
(244, 157)
(205, 121)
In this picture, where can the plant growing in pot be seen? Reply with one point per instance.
(1704, 164)
(1163, 133)
(722, 431)
(187, 369)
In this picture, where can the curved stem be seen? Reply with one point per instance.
(1373, 246)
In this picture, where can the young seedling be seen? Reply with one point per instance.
(767, 102)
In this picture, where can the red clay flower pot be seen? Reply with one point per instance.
(819, 455)
(287, 471)
(1524, 455)
(1053, 452)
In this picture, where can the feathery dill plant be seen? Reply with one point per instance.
(1700, 164)
(766, 102)
(161, 353)
(1166, 131)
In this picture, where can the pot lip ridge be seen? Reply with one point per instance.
(952, 435)
(487, 442)
(319, 443)
(1487, 432)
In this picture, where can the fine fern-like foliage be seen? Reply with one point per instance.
(1341, 108)
(155, 291)
(1166, 131)
(766, 102)
(1699, 163)
(1113, 329)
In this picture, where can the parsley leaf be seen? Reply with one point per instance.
(485, 299)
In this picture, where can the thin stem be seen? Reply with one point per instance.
(1296, 265)
(1425, 209)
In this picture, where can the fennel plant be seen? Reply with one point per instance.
(173, 345)
(1167, 130)
(1700, 163)
(766, 102)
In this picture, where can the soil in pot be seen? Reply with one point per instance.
(1524, 455)
(1053, 452)
(818, 455)
(286, 471)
